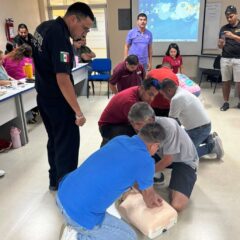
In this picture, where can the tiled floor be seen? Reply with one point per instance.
(28, 210)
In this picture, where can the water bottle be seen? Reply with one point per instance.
(15, 137)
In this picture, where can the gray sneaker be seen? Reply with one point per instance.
(159, 180)
(218, 148)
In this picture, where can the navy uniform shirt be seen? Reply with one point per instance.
(20, 40)
(231, 48)
(52, 53)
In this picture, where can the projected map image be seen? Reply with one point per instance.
(172, 20)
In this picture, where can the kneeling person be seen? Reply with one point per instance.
(177, 151)
(85, 194)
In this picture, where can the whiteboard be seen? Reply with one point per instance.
(212, 25)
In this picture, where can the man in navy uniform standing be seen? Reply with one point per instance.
(56, 98)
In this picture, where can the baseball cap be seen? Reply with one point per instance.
(230, 10)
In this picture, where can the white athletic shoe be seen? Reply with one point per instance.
(69, 233)
(218, 148)
(2, 173)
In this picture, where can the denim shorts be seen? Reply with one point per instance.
(183, 178)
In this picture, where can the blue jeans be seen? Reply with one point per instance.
(202, 139)
(110, 228)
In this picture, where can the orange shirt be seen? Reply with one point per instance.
(160, 74)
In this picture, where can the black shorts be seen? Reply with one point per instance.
(183, 178)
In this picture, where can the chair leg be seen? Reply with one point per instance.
(93, 87)
(200, 79)
(108, 89)
(214, 90)
(88, 89)
(100, 88)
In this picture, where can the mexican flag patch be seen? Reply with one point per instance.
(64, 57)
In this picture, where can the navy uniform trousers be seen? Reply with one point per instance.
(63, 137)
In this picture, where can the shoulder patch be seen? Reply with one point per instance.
(64, 57)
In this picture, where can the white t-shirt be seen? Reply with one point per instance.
(188, 109)
(177, 143)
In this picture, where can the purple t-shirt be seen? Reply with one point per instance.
(126, 79)
(139, 43)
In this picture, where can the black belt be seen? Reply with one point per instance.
(203, 126)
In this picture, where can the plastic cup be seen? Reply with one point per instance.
(14, 84)
(29, 70)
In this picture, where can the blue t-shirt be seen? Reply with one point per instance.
(87, 192)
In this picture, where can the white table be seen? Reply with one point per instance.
(80, 77)
(11, 111)
(16, 102)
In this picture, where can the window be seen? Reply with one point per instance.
(96, 38)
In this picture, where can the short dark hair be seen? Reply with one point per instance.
(22, 25)
(22, 51)
(151, 82)
(168, 83)
(9, 47)
(164, 64)
(175, 46)
(158, 66)
(132, 60)
(80, 10)
(152, 133)
(141, 15)
(230, 10)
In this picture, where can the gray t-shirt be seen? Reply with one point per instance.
(188, 109)
(177, 143)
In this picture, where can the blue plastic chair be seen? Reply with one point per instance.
(101, 71)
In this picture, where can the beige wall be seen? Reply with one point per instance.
(117, 38)
(24, 11)
(32, 12)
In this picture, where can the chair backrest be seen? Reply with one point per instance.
(216, 64)
(101, 64)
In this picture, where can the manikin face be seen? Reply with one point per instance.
(142, 22)
(173, 52)
(23, 32)
(232, 19)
